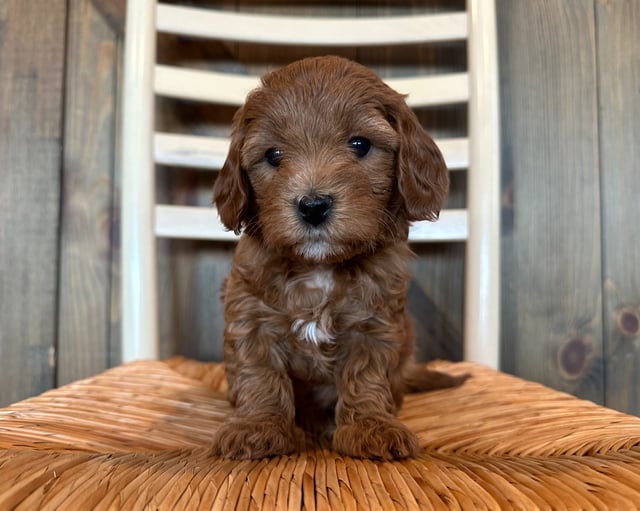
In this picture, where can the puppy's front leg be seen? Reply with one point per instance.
(263, 420)
(365, 412)
(262, 423)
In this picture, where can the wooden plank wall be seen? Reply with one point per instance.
(31, 135)
(88, 226)
(551, 261)
(618, 26)
(570, 75)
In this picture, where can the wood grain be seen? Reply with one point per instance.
(31, 96)
(88, 201)
(619, 94)
(114, 12)
(552, 325)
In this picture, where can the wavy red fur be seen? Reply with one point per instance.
(317, 332)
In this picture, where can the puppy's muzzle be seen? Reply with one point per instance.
(315, 209)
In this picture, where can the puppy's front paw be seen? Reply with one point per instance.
(241, 439)
(385, 439)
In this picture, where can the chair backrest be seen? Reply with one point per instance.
(142, 147)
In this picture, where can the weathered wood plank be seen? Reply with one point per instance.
(552, 271)
(32, 46)
(618, 26)
(197, 323)
(88, 201)
(115, 339)
(114, 12)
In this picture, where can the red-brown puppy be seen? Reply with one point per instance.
(327, 167)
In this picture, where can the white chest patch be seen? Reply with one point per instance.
(321, 279)
(316, 330)
(311, 332)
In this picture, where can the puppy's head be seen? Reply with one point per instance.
(327, 162)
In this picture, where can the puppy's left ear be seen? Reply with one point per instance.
(232, 192)
(423, 178)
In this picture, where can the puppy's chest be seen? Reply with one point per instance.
(312, 302)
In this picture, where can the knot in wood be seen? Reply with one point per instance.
(574, 357)
(628, 321)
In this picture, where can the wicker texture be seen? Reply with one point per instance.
(137, 437)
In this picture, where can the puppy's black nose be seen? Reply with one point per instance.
(315, 210)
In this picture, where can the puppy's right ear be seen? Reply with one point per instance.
(232, 191)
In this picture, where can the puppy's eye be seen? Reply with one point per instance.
(360, 146)
(273, 156)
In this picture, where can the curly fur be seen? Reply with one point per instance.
(317, 332)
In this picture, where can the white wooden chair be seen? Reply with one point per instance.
(142, 147)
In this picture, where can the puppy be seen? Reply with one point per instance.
(327, 168)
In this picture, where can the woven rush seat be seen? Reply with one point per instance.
(138, 437)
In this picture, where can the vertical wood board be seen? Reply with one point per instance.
(32, 45)
(549, 90)
(618, 30)
(88, 201)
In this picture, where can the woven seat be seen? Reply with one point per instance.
(138, 437)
